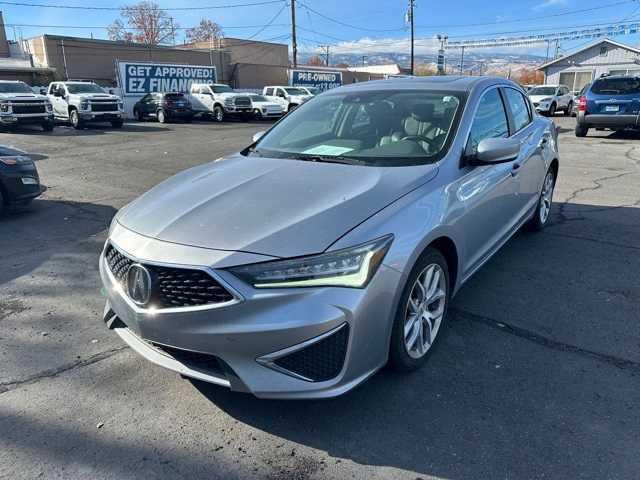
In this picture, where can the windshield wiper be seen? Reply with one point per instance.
(331, 159)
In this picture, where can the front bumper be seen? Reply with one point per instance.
(232, 110)
(246, 335)
(25, 119)
(89, 116)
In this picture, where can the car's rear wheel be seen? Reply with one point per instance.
(421, 314)
(543, 210)
(162, 117)
(569, 109)
(139, 115)
(581, 131)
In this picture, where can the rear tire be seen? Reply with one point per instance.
(569, 109)
(416, 298)
(139, 115)
(545, 201)
(581, 131)
(161, 116)
(552, 110)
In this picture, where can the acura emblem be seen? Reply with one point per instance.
(139, 284)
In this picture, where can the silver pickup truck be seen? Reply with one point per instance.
(19, 106)
(80, 103)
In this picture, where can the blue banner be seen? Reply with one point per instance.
(140, 78)
(316, 78)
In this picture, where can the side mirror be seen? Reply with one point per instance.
(496, 150)
(257, 136)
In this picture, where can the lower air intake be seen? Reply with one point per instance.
(320, 361)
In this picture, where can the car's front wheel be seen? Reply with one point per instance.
(218, 113)
(74, 119)
(581, 131)
(552, 110)
(541, 217)
(569, 109)
(421, 314)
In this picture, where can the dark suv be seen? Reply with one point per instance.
(163, 107)
(611, 102)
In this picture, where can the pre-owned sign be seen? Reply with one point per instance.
(140, 78)
(313, 78)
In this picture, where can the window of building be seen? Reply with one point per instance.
(603, 51)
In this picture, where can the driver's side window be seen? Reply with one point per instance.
(490, 120)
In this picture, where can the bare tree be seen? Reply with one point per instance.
(204, 31)
(143, 22)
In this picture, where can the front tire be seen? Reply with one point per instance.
(581, 131)
(74, 120)
(543, 209)
(139, 115)
(117, 123)
(47, 126)
(161, 116)
(552, 110)
(422, 312)
(218, 113)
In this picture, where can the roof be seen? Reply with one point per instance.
(451, 83)
(591, 45)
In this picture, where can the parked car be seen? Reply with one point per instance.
(288, 97)
(263, 108)
(20, 106)
(83, 102)
(220, 101)
(299, 266)
(19, 180)
(164, 107)
(610, 102)
(548, 99)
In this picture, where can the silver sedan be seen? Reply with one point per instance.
(334, 243)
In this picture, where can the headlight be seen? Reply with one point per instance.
(228, 101)
(352, 267)
(4, 107)
(84, 105)
(15, 160)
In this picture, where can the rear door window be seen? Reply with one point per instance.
(616, 86)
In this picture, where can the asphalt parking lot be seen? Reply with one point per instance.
(538, 376)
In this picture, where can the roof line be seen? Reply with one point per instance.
(591, 45)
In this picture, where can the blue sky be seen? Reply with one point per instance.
(380, 23)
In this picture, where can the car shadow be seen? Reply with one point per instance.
(523, 384)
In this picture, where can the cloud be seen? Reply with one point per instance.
(550, 3)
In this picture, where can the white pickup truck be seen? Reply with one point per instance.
(288, 97)
(219, 101)
(81, 102)
(19, 105)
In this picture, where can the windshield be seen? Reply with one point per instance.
(388, 127)
(258, 98)
(616, 86)
(83, 88)
(295, 91)
(542, 91)
(221, 89)
(15, 87)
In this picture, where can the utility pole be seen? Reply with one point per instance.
(462, 61)
(294, 44)
(410, 20)
(557, 54)
(548, 45)
(326, 53)
(364, 60)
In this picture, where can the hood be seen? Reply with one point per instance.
(277, 207)
(230, 95)
(22, 96)
(267, 105)
(539, 98)
(299, 98)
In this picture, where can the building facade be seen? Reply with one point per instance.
(579, 68)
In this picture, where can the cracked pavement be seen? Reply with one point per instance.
(538, 375)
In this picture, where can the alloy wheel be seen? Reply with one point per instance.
(425, 310)
(546, 198)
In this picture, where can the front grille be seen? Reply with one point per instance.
(319, 361)
(104, 107)
(28, 108)
(197, 361)
(242, 102)
(172, 287)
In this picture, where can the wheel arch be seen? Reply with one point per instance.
(447, 247)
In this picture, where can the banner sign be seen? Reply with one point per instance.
(316, 78)
(136, 79)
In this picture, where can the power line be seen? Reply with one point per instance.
(176, 9)
(269, 23)
(355, 27)
(106, 27)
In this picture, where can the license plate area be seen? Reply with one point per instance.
(612, 108)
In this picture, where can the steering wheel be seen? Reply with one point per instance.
(416, 138)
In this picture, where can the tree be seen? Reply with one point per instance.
(425, 70)
(204, 31)
(143, 22)
(315, 61)
(528, 76)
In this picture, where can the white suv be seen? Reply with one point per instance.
(219, 101)
(288, 97)
(548, 99)
(81, 102)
